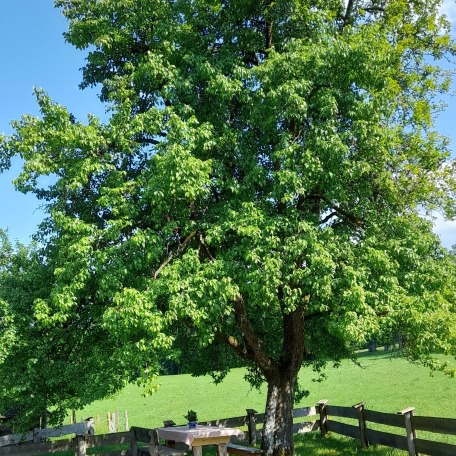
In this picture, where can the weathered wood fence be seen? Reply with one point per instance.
(322, 418)
(78, 445)
(37, 435)
(404, 419)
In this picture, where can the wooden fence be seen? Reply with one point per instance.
(78, 445)
(322, 419)
(37, 435)
(405, 420)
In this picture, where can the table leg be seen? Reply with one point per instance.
(221, 449)
(197, 451)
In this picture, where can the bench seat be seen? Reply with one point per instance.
(241, 450)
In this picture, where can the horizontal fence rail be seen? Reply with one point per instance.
(37, 435)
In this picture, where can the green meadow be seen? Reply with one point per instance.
(384, 383)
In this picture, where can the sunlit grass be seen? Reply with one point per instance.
(385, 384)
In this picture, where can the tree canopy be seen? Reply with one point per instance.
(258, 192)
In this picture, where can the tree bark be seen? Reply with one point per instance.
(278, 422)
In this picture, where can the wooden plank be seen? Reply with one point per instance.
(345, 412)
(243, 450)
(437, 448)
(260, 418)
(361, 424)
(387, 439)
(234, 422)
(201, 441)
(108, 439)
(432, 424)
(410, 431)
(305, 411)
(115, 453)
(344, 429)
(241, 441)
(82, 428)
(12, 439)
(141, 434)
(389, 419)
(77, 428)
(31, 449)
(308, 426)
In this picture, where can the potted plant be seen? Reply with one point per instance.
(191, 418)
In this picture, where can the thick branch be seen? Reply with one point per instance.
(252, 342)
(327, 218)
(348, 12)
(293, 349)
(238, 348)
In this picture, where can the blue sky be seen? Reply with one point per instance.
(34, 54)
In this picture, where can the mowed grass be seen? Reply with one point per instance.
(384, 383)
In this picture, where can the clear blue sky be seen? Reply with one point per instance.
(34, 54)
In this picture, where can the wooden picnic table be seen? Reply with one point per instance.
(200, 436)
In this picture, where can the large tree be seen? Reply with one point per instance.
(258, 191)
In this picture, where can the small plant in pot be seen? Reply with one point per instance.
(191, 418)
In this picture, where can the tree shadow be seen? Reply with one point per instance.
(313, 444)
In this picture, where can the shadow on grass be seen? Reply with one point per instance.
(312, 444)
(378, 354)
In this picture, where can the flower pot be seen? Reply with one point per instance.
(192, 424)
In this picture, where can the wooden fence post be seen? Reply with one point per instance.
(81, 446)
(111, 422)
(127, 427)
(362, 424)
(90, 425)
(251, 424)
(409, 429)
(133, 443)
(36, 435)
(322, 410)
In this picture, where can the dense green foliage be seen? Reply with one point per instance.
(47, 366)
(257, 193)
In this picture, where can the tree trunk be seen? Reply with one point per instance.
(278, 422)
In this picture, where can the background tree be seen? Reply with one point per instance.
(47, 370)
(256, 192)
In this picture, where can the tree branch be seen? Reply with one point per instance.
(172, 255)
(205, 247)
(143, 140)
(252, 342)
(348, 12)
(353, 219)
(327, 218)
(350, 217)
(232, 342)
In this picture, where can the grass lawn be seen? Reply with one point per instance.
(385, 384)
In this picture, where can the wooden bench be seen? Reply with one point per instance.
(241, 450)
(150, 437)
